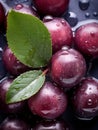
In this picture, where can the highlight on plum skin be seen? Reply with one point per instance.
(50, 102)
(51, 7)
(68, 67)
(84, 99)
(60, 31)
(86, 39)
(12, 64)
(9, 108)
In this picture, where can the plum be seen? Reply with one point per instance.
(51, 125)
(2, 14)
(51, 7)
(50, 102)
(9, 108)
(60, 32)
(68, 67)
(14, 123)
(12, 64)
(23, 8)
(85, 99)
(86, 39)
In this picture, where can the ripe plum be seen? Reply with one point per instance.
(60, 32)
(67, 67)
(50, 102)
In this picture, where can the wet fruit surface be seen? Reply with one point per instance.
(14, 66)
(85, 98)
(78, 13)
(86, 39)
(50, 102)
(52, 125)
(51, 7)
(67, 67)
(14, 123)
(60, 31)
(8, 108)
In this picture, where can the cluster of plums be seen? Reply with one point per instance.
(67, 70)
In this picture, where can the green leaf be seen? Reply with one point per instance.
(29, 39)
(25, 86)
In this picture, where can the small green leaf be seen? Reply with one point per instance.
(29, 39)
(25, 86)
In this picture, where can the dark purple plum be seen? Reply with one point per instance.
(51, 125)
(86, 39)
(23, 8)
(85, 99)
(13, 123)
(14, 66)
(51, 7)
(60, 31)
(2, 14)
(50, 102)
(9, 108)
(67, 67)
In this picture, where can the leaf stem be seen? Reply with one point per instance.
(45, 71)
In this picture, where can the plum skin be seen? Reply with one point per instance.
(51, 7)
(2, 14)
(60, 32)
(23, 8)
(12, 64)
(68, 67)
(13, 123)
(50, 102)
(9, 108)
(85, 99)
(86, 39)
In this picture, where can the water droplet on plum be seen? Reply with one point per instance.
(89, 102)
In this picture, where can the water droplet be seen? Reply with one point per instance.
(19, 6)
(86, 42)
(92, 34)
(65, 48)
(95, 14)
(72, 19)
(84, 4)
(63, 22)
(58, 24)
(89, 102)
(47, 18)
(87, 15)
